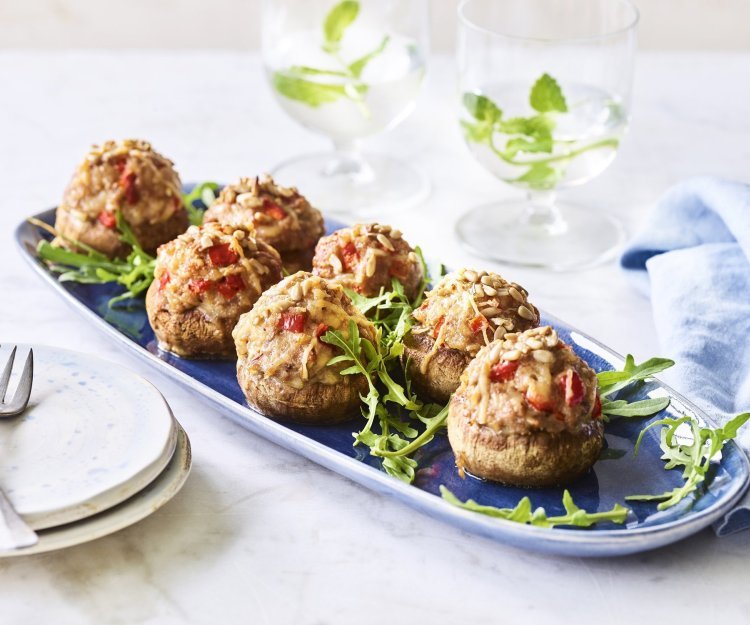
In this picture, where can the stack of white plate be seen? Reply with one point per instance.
(97, 450)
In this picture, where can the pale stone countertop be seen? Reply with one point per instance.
(259, 535)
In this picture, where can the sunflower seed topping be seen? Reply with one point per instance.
(371, 265)
(542, 355)
(386, 242)
(335, 262)
(534, 343)
(516, 295)
(525, 313)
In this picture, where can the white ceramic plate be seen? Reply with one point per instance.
(138, 507)
(94, 435)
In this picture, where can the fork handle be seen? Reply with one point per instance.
(14, 533)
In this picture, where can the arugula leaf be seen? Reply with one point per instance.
(643, 408)
(393, 410)
(307, 91)
(339, 18)
(612, 381)
(523, 512)
(205, 193)
(357, 67)
(694, 457)
(135, 273)
(547, 96)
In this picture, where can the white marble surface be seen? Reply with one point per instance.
(259, 535)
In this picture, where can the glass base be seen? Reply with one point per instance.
(572, 237)
(354, 185)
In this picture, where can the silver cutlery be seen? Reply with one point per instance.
(21, 397)
(14, 533)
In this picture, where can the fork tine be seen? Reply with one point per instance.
(5, 375)
(23, 391)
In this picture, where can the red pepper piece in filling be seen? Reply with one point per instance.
(503, 371)
(222, 255)
(272, 209)
(350, 256)
(438, 325)
(198, 286)
(538, 402)
(229, 286)
(119, 163)
(597, 412)
(478, 323)
(320, 330)
(572, 387)
(164, 280)
(292, 321)
(127, 182)
(107, 219)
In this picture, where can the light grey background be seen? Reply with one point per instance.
(233, 24)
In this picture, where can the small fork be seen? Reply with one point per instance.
(14, 533)
(21, 397)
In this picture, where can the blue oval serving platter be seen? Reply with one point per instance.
(617, 473)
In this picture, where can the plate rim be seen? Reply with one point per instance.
(114, 495)
(559, 540)
(164, 488)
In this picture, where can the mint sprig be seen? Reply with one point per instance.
(300, 82)
(525, 513)
(694, 457)
(526, 136)
(339, 18)
(546, 96)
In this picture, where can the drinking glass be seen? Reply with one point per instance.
(544, 96)
(348, 69)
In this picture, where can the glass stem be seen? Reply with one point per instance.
(542, 213)
(348, 161)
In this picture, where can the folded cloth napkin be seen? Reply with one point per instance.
(693, 257)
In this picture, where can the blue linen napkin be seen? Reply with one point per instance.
(693, 258)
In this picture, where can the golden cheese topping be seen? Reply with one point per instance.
(530, 381)
(218, 269)
(281, 336)
(281, 216)
(366, 257)
(468, 309)
(124, 175)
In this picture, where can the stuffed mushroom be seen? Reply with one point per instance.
(465, 311)
(527, 412)
(366, 257)
(281, 216)
(203, 281)
(127, 176)
(283, 362)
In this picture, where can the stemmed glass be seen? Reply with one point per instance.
(544, 96)
(348, 69)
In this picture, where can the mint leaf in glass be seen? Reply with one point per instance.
(547, 96)
(339, 18)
